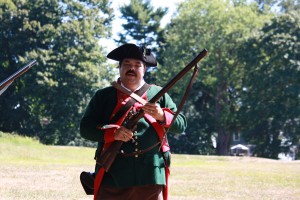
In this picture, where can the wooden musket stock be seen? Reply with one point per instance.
(108, 156)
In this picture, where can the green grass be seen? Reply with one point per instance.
(15, 149)
(30, 170)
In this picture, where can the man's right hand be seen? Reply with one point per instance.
(123, 134)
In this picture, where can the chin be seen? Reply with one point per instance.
(132, 79)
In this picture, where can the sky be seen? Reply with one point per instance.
(117, 23)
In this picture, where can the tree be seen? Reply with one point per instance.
(219, 26)
(266, 4)
(143, 26)
(271, 87)
(288, 6)
(48, 101)
(143, 23)
(280, 6)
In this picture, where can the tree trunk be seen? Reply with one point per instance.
(223, 142)
(223, 139)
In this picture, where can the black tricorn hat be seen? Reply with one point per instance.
(133, 51)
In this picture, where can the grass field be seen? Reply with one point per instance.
(32, 171)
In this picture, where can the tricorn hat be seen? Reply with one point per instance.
(133, 51)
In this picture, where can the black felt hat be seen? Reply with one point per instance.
(133, 51)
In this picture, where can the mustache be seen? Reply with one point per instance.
(130, 72)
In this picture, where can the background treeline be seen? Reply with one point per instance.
(249, 83)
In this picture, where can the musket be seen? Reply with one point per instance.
(6, 83)
(108, 156)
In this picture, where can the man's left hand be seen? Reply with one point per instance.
(155, 111)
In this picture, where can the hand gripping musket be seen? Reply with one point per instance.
(108, 156)
(6, 83)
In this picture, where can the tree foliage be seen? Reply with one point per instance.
(142, 23)
(143, 27)
(47, 102)
(271, 88)
(219, 26)
(287, 6)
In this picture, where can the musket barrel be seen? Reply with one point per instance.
(166, 88)
(17, 74)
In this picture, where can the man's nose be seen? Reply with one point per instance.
(131, 68)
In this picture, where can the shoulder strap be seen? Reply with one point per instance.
(129, 104)
(129, 93)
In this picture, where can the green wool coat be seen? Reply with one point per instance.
(145, 169)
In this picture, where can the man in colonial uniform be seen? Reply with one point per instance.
(141, 169)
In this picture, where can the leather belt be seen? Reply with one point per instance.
(139, 152)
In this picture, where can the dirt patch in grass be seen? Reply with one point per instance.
(50, 182)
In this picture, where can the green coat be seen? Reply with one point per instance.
(148, 168)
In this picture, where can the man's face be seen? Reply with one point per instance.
(132, 72)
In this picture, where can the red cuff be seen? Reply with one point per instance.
(109, 135)
(169, 114)
(109, 132)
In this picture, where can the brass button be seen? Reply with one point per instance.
(136, 137)
(136, 149)
(136, 143)
(136, 156)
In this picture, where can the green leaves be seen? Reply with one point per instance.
(63, 37)
(273, 85)
(143, 23)
(221, 27)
